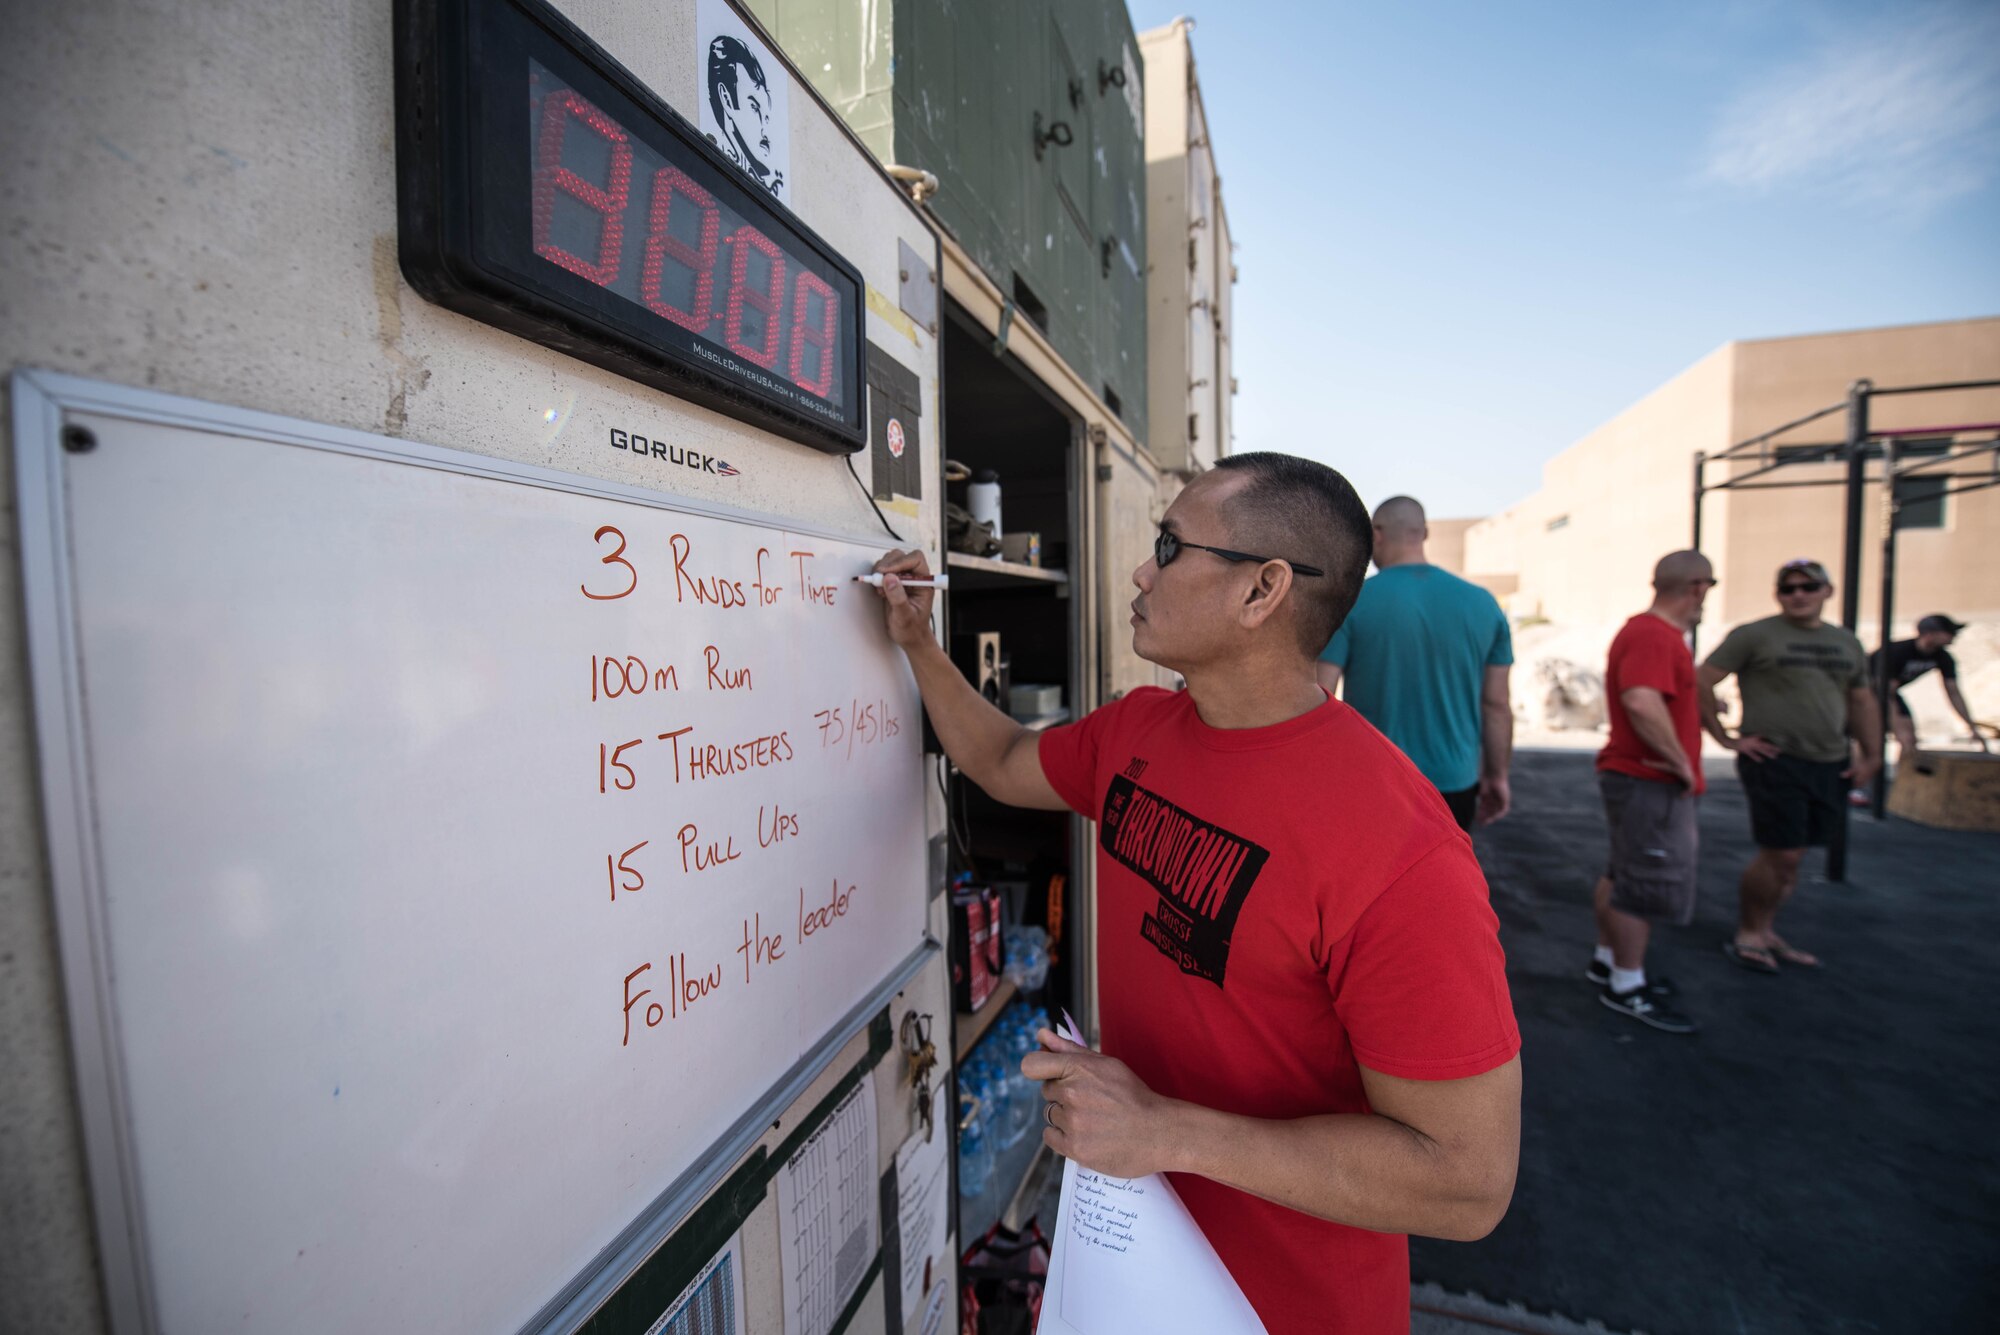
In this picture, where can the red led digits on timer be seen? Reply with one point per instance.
(607, 201)
(751, 311)
(809, 285)
(742, 294)
(661, 244)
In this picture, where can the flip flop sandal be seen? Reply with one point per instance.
(1794, 956)
(1754, 958)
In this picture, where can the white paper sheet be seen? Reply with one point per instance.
(829, 1198)
(1128, 1256)
(712, 1304)
(934, 1308)
(923, 1212)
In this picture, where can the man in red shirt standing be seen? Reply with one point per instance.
(1302, 998)
(1650, 775)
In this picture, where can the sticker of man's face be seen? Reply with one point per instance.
(741, 101)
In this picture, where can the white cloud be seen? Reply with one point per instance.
(1901, 116)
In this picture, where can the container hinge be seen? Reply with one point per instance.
(1007, 309)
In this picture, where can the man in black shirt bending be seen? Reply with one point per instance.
(1906, 660)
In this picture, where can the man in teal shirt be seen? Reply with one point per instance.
(1425, 656)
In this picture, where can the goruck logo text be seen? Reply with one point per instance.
(673, 454)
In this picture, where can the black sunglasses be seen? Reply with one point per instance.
(1169, 543)
(1807, 586)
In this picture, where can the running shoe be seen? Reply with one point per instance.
(1658, 988)
(1647, 1011)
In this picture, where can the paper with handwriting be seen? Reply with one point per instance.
(1126, 1255)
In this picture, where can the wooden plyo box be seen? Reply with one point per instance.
(1962, 792)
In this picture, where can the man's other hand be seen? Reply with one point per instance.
(1757, 748)
(908, 610)
(1496, 799)
(1095, 1110)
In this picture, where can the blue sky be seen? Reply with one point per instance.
(1471, 232)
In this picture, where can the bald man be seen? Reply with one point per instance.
(1649, 774)
(1425, 656)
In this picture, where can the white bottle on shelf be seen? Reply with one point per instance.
(982, 498)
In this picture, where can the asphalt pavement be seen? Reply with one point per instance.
(1821, 1157)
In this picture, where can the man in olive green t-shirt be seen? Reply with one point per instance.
(1805, 693)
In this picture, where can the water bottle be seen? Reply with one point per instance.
(1000, 1043)
(1002, 1083)
(975, 1160)
(988, 1084)
(1025, 1101)
(1027, 957)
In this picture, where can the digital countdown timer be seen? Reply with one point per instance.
(543, 190)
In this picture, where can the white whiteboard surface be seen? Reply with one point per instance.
(346, 973)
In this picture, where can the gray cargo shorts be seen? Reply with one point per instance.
(1654, 847)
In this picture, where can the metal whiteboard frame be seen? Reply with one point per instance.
(40, 401)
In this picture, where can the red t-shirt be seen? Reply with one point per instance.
(1274, 906)
(1651, 652)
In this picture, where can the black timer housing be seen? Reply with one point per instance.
(543, 190)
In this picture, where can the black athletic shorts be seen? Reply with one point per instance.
(1898, 705)
(1464, 805)
(1794, 803)
(1655, 844)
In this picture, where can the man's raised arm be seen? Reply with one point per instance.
(988, 747)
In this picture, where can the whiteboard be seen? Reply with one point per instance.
(437, 921)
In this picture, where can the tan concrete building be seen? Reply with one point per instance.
(1580, 549)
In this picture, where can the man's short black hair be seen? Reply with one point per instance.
(1301, 510)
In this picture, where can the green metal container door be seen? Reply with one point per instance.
(956, 88)
(1117, 81)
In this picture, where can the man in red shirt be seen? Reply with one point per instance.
(1303, 1001)
(1650, 775)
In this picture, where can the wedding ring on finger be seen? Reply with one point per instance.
(1049, 1116)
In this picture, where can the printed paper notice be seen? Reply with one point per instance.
(923, 1180)
(1128, 1256)
(711, 1304)
(828, 1206)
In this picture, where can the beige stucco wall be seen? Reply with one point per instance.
(1618, 499)
(1493, 545)
(1446, 545)
(1779, 380)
